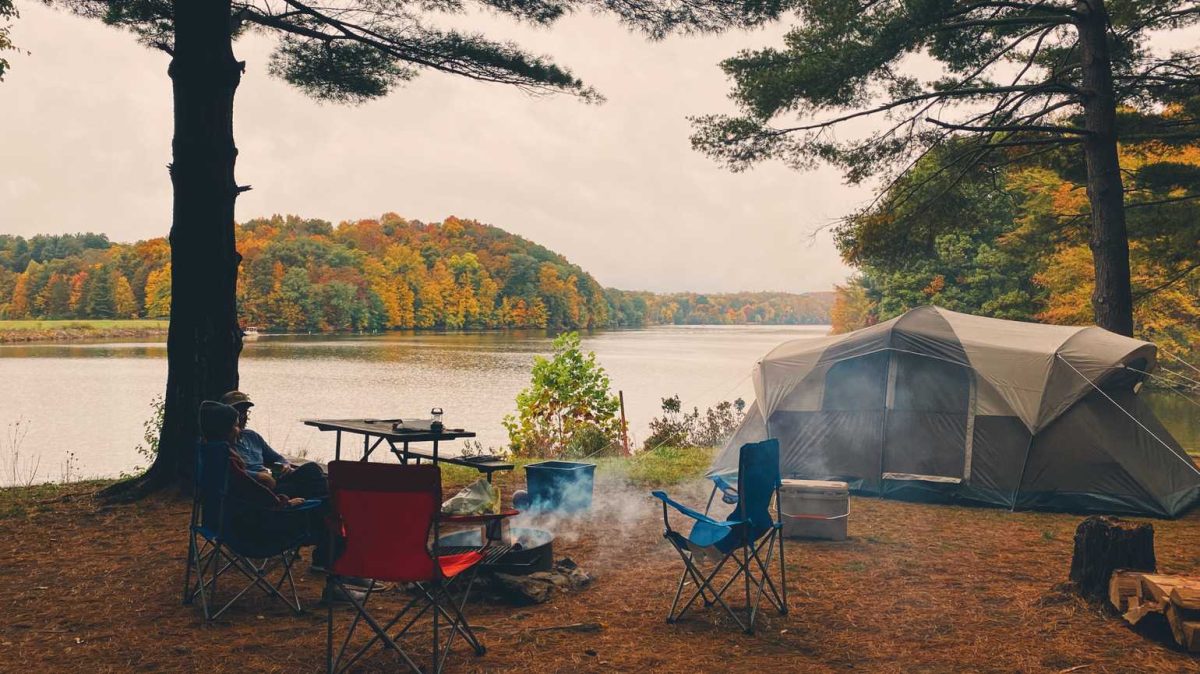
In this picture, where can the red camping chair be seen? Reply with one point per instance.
(388, 515)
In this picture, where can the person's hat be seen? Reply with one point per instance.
(235, 398)
(216, 420)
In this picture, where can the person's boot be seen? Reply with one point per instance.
(355, 582)
(341, 596)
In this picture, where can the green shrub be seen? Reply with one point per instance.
(567, 409)
(151, 430)
(676, 428)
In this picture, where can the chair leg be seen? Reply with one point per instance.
(774, 596)
(436, 612)
(214, 562)
(678, 593)
(744, 569)
(690, 569)
(386, 628)
(379, 630)
(706, 584)
(328, 626)
(456, 619)
(187, 574)
(766, 579)
(198, 556)
(782, 577)
(746, 573)
(294, 602)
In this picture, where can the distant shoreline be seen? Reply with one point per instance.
(23, 332)
(19, 332)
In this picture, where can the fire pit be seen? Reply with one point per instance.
(522, 551)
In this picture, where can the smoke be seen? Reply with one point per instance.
(564, 509)
(621, 512)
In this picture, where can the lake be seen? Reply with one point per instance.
(92, 398)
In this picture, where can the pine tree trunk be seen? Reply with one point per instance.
(204, 339)
(1112, 299)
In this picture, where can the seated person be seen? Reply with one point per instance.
(221, 428)
(219, 434)
(306, 480)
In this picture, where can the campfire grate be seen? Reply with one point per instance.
(531, 550)
(492, 556)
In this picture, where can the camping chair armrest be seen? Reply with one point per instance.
(729, 493)
(309, 504)
(699, 517)
(478, 519)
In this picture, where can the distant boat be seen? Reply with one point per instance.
(249, 332)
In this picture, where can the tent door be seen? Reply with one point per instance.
(928, 413)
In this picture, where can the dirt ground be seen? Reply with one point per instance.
(917, 588)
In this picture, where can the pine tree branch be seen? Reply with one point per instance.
(409, 51)
(1015, 128)
(1047, 7)
(1003, 21)
(994, 58)
(1160, 202)
(1053, 87)
(1033, 141)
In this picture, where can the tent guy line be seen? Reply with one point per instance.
(1169, 384)
(1126, 412)
(1174, 357)
(1185, 378)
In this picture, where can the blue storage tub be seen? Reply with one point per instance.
(564, 486)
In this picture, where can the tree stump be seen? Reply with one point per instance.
(1104, 544)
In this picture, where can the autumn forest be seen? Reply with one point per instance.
(301, 275)
(1009, 240)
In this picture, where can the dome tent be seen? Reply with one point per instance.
(938, 404)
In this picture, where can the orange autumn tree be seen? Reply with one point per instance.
(1164, 259)
(1022, 252)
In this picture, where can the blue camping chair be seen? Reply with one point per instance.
(748, 536)
(214, 546)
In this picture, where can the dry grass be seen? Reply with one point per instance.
(918, 588)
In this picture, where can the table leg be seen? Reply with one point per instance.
(395, 450)
(368, 451)
(337, 450)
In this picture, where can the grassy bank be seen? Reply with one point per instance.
(20, 502)
(662, 467)
(52, 331)
(137, 323)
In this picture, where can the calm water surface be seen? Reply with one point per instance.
(92, 398)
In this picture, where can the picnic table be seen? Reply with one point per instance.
(399, 435)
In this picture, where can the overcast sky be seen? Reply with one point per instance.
(615, 187)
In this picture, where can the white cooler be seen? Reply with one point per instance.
(815, 509)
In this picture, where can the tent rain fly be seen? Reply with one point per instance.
(945, 405)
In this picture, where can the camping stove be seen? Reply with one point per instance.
(521, 550)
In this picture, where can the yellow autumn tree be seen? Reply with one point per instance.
(158, 292)
(124, 303)
(852, 309)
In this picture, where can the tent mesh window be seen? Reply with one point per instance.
(857, 384)
(927, 421)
